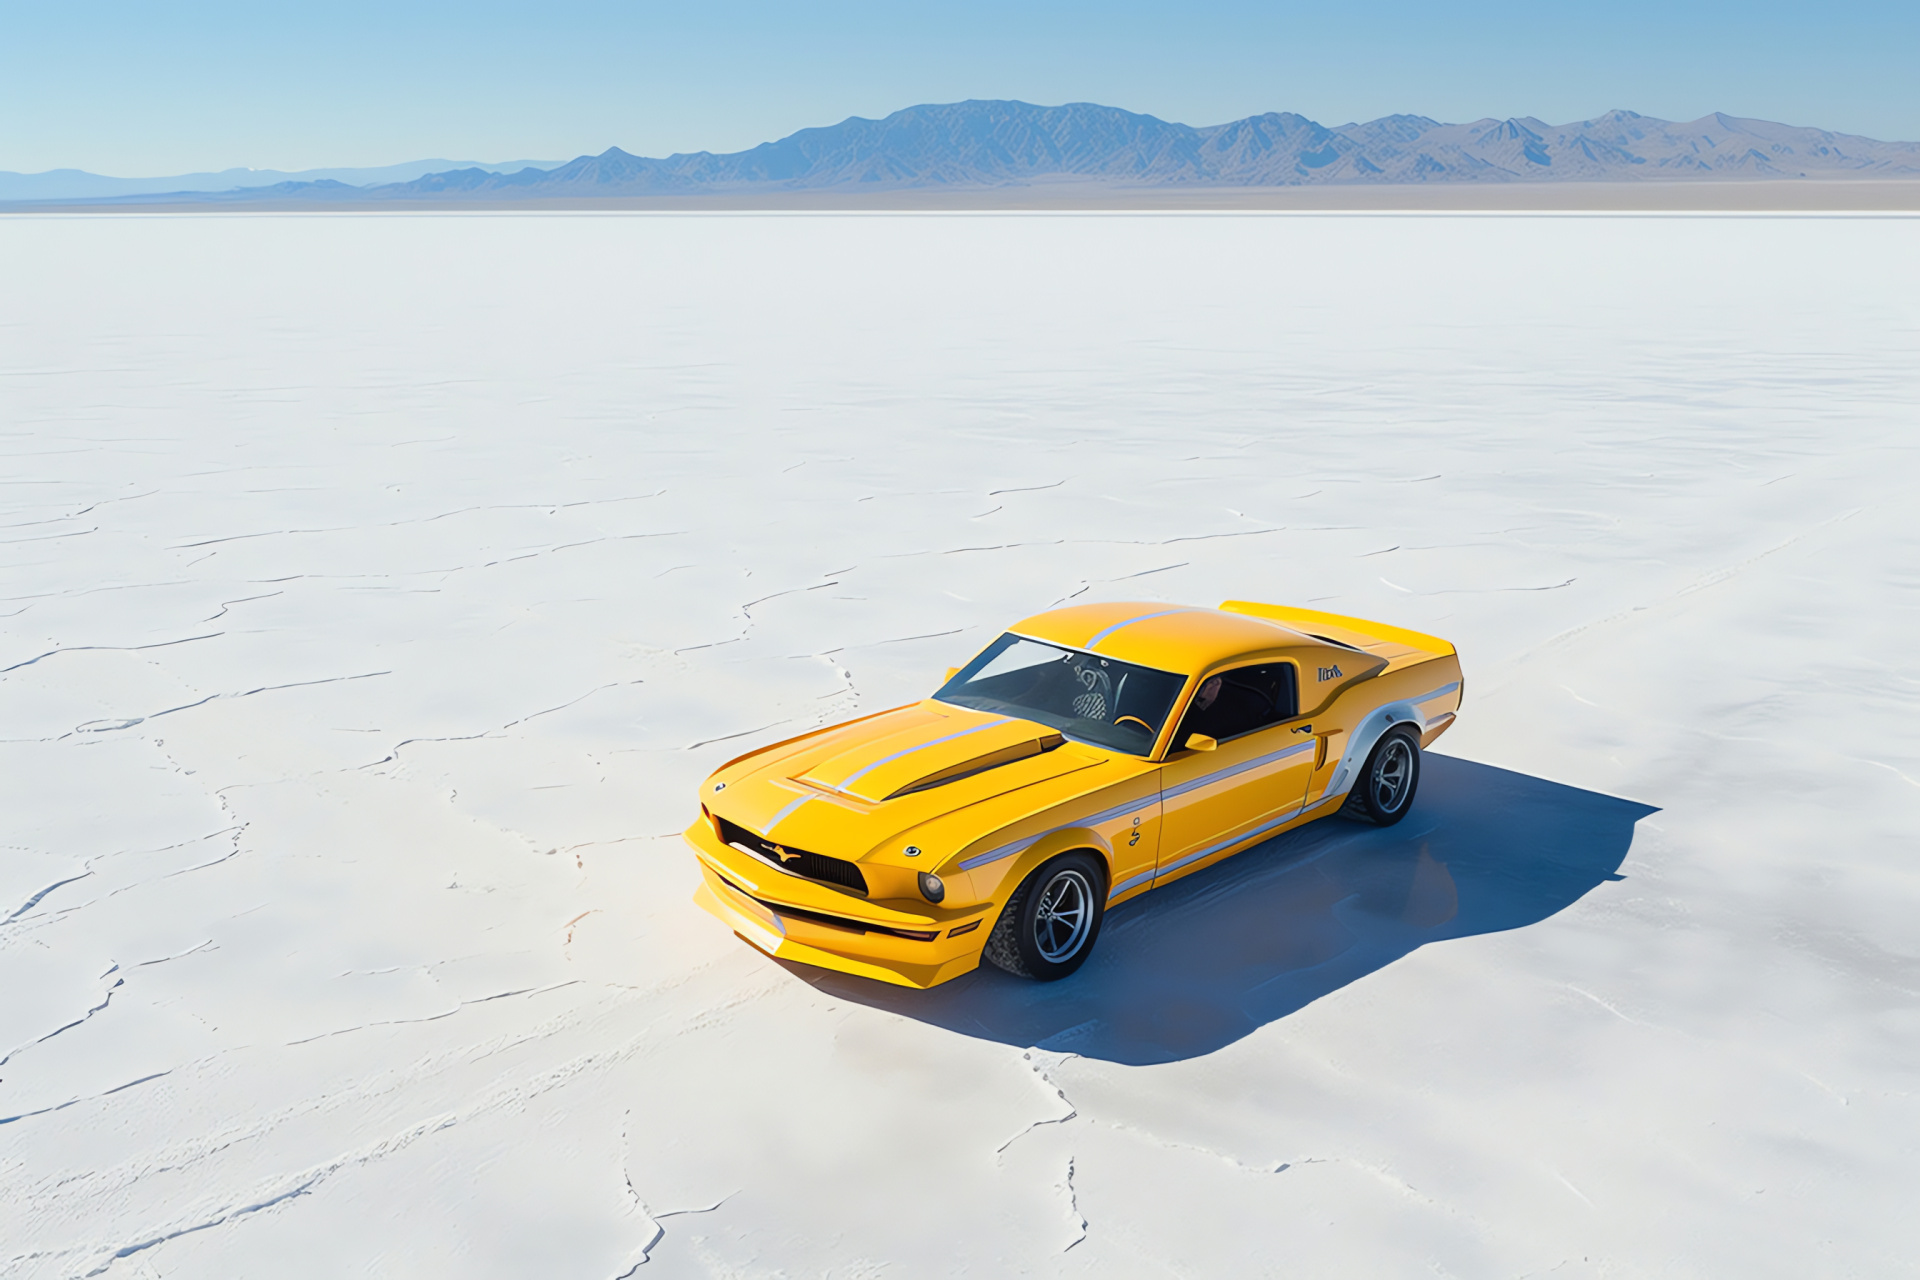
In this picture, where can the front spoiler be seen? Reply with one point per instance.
(903, 962)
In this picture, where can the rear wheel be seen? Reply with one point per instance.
(1049, 924)
(1385, 790)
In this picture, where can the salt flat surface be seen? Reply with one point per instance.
(377, 588)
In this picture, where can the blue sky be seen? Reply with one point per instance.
(149, 88)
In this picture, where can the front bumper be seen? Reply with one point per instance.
(781, 915)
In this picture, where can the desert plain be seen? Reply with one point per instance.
(375, 589)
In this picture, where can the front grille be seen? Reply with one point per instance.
(814, 866)
(841, 922)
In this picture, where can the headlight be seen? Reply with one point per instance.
(931, 888)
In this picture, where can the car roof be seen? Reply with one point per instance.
(1178, 638)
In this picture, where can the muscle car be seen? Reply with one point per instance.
(1085, 757)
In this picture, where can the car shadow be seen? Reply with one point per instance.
(1195, 966)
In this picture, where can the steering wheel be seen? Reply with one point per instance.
(1092, 705)
(1136, 719)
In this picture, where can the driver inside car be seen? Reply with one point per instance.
(1209, 693)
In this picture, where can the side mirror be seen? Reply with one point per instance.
(1201, 742)
(951, 673)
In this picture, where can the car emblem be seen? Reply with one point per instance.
(719, 786)
(913, 851)
(1329, 673)
(785, 855)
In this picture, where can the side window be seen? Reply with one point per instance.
(1240, 701)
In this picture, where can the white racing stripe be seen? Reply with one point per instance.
(1208, 779)
(1130, 621)
(864, 770)
(1027, 842)
(1261, 830)
(786, 809)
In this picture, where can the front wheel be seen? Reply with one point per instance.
(1385, 790)
(1049, 924)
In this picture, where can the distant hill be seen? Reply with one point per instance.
(985, 144)
(78, 184)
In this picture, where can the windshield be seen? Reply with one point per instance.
(1099, 700)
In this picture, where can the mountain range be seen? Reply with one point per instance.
(985, 144)
(78, 184)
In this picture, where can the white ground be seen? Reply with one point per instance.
(377, 588)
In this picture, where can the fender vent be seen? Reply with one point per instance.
(814, 866)
(1314, 635)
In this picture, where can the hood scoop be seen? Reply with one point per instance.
(982, 763)
(928, 754)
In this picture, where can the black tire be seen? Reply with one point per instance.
(1049, 925)
(1385, 789)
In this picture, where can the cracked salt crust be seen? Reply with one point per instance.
(366, 622)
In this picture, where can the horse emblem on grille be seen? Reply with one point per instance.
(784, 854)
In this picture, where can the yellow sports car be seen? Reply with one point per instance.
(1083, 758)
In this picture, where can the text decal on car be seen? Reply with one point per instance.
(1329, 673)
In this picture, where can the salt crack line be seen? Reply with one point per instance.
(109, 648)
(242, 537)
(394, 754)
(305, 1181)
(114, 726)
(228, 604)
(1094, 542)
(547, 711)
(1040, 1072)
(746, 612)
(1588, 995)
(31, 524)
(79, 1021)
(1073, 1210)
(313, 1179)
(34, 901)
(1086, 584)
(729, 737)
(49, 537)
(1145, 573)
(660, 1232)
(1032, 488)
(72, 1102)
(74, 592)
(198, 866)
(931, 635)
(1707, 581)
(235, 832)
(1195, 537)
(522, 506)
(1232, 1161)
(435, 1017)
(208, 945)
(1473, 591)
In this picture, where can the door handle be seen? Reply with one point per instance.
(1303, 728)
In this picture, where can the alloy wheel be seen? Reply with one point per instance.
(1065, 912)
(1392, 773)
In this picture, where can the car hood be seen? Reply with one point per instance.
(849, 790)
